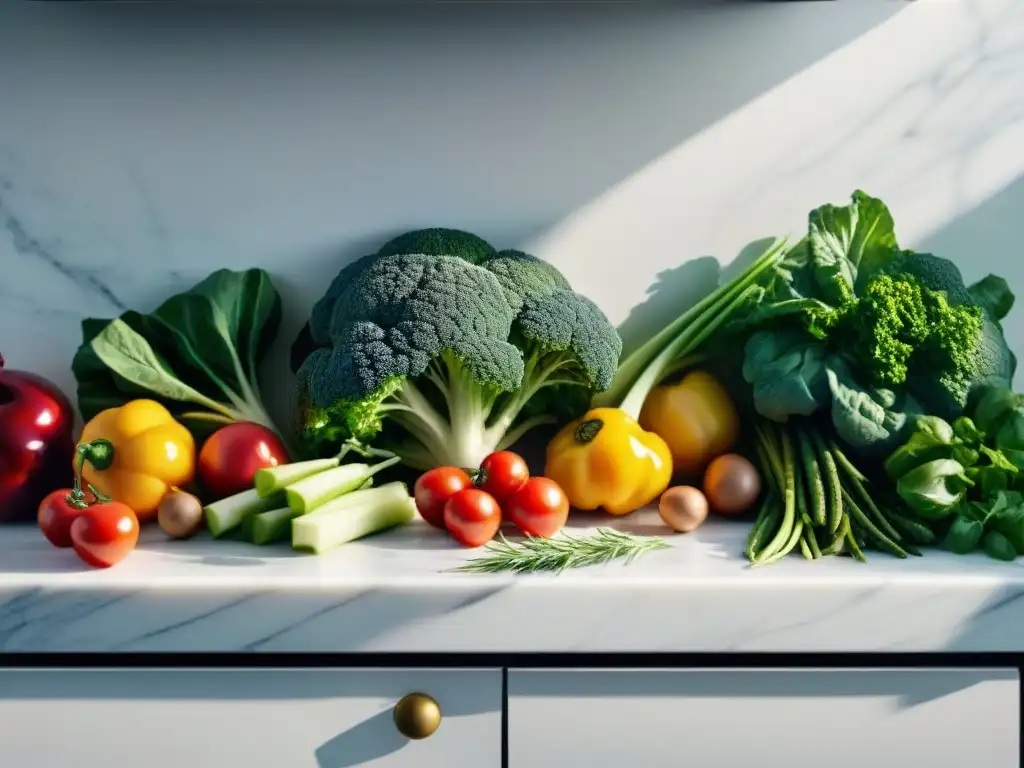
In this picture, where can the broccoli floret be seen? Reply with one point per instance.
(443, 357)
(523, 276)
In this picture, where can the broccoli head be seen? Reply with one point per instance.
(442, 350)
(916, 324)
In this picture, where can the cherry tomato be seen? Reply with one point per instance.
(472, 517)
(503, 473)
(539, 508)
(434, 488)
(104, 534)
(230, 457)
(55, 516)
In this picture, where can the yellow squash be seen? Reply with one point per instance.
(141, 453)
(696, 418)
(607, 460)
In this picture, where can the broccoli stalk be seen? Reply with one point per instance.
(649, 364)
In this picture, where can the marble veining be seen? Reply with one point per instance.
(397, 592)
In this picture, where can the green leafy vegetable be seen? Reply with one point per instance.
(787, 373)
(964, 534)
(870, 419)
(934, 488)
(993, 294)
(198, 353)
(848, 243)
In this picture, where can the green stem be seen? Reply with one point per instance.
(99, 453)
(211, 417)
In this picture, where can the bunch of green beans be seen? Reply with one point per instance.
(818, 501)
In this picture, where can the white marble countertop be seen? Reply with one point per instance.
(395, 593)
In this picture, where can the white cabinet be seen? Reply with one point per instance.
(804, 718)
(249, 718)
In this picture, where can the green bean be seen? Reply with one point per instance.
(812, 541)
(766, 468)
(812, 477)
(835, 485)
(805, 550)
(914, 530)
(766, 521)
(855, 478)
(835, 547)
(870, 529)
(788, 547)
(771, 450)
(845, 463)
(855, 549)
(789, 518)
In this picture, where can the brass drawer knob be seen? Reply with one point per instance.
(417, 715)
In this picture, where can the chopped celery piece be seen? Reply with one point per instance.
(223, 515)
(316, 490)
(272, 479)
(274, 525)
(354, 516)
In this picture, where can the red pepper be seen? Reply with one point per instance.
(36, 443)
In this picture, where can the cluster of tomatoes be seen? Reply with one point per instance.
(472, 505)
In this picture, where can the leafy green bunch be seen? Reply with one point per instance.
(876, 335)
(965, 477)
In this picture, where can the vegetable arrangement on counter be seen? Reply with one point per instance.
(870, 408)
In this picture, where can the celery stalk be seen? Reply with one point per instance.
(223, 515)
(352, 517)
(316, 490)
(275, 525)
(272, 479)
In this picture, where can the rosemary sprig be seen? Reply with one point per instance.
(535, 554)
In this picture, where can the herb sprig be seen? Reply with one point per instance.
(557, 554)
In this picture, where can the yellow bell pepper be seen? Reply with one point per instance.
(607, 460)
(695, 417)
(136, 454)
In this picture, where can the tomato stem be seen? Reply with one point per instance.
(99, 453)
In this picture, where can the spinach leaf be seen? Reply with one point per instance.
(848, 244)
(935, 488)
(871, 419)
(931, 439)
(993, 294)
(991, 403)
(787, 374)
(998, 546)
(964, 534)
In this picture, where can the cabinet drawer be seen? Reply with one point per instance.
(942, 718)
(212, 718)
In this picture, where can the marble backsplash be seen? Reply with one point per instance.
(143, 146)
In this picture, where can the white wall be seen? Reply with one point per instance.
(141, 146)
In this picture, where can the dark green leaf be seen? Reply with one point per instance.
(963, 535)
(786, 372)
(849, 243)
(991, 480)
(1011, 525)
(1011, 431)
(997, 546)
(872, 419)
(991, 404)
(993, 294)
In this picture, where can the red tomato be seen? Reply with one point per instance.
(539, 508)
(472, 517)
(55, 516)
(104, 534)
(503, 473)
(230, 457)
(434, 488)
